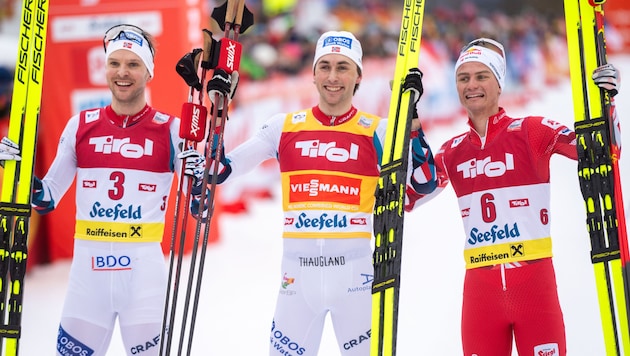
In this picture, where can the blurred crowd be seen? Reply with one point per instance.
(281, 42)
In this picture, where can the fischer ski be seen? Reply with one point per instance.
(390, 191)
(233, 17)
(598, 171)
(15, 198)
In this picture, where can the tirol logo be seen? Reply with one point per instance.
(316, 148)
(117, 212)
(550, 349)
(494, 234)
(321, 222)
(475, 167)
(123, 146)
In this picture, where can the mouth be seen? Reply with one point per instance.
(333, 88)
(122, 83)
(474, 96)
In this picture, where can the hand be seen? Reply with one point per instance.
(187, 68)
(413, 82)
(606, 77)
(9, 150)
(223, 84)
(195, 164)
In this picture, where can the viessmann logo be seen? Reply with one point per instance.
(476, 167)
(123, 146)
(310, 187)
(316, 148)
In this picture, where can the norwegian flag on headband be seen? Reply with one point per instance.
(127, 44)
(335, 49)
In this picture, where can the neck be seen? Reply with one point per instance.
(121, 108)
(480, 118)
(332, 120)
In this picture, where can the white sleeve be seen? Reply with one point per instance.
(61, 173)
(260, 147)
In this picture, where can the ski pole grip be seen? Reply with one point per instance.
(240, 7)
(193, 122)
(208, 48)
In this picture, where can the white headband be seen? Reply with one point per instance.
(339, 42)
(134, 42)
(487, 56)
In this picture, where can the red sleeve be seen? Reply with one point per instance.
(547, 137)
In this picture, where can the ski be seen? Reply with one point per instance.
(598, 170)
(15, 197)
(390, 191)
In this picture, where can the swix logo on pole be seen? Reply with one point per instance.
(123, 146)
(229, 55)
(194, 128)
(316, 148)
(474, 167)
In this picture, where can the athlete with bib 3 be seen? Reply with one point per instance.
(124, 157)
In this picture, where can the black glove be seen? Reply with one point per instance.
(187, 68)
(413, 82)
(223, 84)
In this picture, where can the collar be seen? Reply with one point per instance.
(331, 120)
(494, 125)
(126, 120)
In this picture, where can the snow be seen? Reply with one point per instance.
(239, 283)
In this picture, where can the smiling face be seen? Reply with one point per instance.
(335, 77)
(127, 77)
(478, 91)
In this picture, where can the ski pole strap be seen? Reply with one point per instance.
(15, 209)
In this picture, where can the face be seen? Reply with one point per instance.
(127, 77)
(478, 88)
(335, 78)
